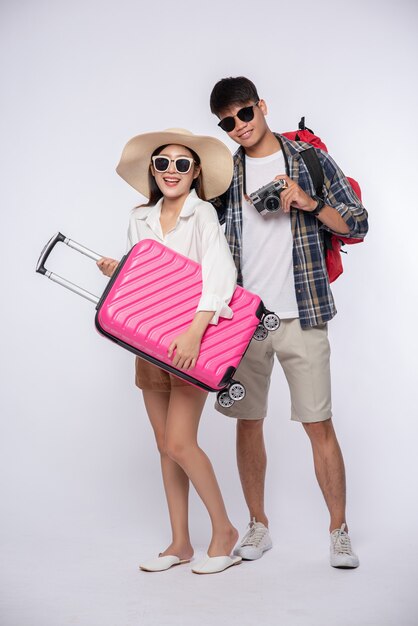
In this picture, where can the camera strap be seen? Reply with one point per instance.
(244, 169)
(244, 178)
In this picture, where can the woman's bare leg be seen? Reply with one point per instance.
(176, 482)
(184, 411)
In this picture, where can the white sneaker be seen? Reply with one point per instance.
(341, 554)
(255, 542)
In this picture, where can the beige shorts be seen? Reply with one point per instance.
(152, 378)
(305, 358)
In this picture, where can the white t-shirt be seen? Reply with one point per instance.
(268, 237)
(199, 236)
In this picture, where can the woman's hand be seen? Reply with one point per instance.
(107, 266)
(185, 348)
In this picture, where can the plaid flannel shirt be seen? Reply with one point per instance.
(313, 293)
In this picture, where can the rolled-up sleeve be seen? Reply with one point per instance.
(340, 195)
(219, 274)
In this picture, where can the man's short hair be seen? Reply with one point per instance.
(227, 91)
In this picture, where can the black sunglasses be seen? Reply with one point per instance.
(246, 114)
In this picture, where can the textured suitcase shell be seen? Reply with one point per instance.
(153, 297)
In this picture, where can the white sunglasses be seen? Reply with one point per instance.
(182, 164)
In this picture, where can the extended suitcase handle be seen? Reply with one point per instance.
(41, 269)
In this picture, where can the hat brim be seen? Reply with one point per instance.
(216, 160)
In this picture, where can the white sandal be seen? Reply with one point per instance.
(162, 563)
(215, 564)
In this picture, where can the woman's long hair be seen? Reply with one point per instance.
(155, 191)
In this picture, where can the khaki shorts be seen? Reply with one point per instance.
(305, 358)
(152, 378)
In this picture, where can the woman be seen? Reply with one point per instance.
(174, 169)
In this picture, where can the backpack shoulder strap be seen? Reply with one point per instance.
(315, 170)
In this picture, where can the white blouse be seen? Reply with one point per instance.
(199, 236)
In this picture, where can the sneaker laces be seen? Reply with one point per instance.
(256, 532)
(341, 541)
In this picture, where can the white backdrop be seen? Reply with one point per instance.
(78, 459)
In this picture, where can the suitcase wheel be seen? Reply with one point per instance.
(260, 333)
(224, 399)
(236, 392)
(271, 321)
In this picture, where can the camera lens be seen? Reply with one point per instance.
(271, 203)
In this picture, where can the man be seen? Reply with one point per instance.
(280, 256)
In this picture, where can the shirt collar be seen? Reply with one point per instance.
(190, 204)
(291, 149)
(152, 214)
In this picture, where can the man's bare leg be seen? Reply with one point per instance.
(329, 469)
(252, 463)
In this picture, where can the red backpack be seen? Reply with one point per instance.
(332, 242)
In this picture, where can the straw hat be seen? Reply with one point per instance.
(215, 158)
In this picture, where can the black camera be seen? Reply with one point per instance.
(267, 198)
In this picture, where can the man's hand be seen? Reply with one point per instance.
(294, 196)
(107, 266)
(185, 348)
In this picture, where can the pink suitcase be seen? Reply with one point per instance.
(152, 297)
